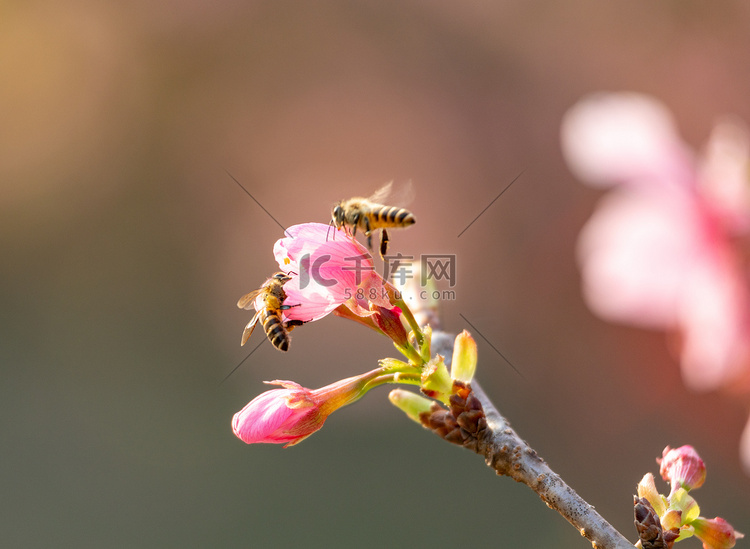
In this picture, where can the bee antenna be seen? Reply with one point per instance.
(330, 224)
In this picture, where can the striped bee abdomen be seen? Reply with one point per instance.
(392, 216)
(275, 330)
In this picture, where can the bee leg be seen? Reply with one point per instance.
(368, 232)
(355, 222)
(292, 324)
(383, 244)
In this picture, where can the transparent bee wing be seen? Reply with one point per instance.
(383, 194)
(249, 328)
(400, 196)
(246, 301)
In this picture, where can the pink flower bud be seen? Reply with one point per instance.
(279, 416)
(715, 533)
(291, 414)
(682, 467)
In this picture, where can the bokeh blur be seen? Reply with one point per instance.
(125, 243)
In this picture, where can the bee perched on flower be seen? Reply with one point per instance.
(327, 273)
(320, 275)
(268, 302)
(338, 275)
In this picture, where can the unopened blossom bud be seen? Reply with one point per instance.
(412, 404)
(436, 381)
(291, 414)
(682, 467)
(716, 533)
(464, 362)
(278, 416)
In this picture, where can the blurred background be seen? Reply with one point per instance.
(125, 244)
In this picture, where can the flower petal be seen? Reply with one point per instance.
(745, 447)
(715, 324)
(312, 303)
(309, 238)
(612, 138)
(634, 254)
(263, 418)
(328, 267)
(724, 174)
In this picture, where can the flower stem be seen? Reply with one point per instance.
(409, 379)
(411, 321)
(397, 299)
(410, 352)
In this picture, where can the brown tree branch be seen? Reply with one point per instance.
(474, 423)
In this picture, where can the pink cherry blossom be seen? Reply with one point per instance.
(664, 248)
(328, 268)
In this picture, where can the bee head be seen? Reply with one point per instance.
(338, 215)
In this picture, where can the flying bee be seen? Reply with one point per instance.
(369, 215)
(269, 314)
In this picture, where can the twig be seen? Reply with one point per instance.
(509, 455)
(474, 423)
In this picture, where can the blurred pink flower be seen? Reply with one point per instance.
(328, 268)
(663, 249)
(291, 414)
